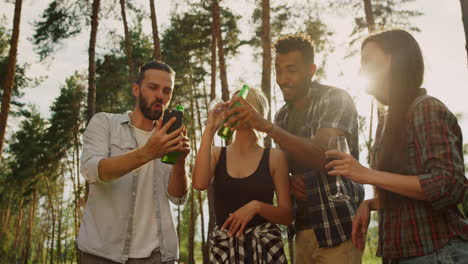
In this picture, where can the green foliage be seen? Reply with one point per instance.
(65, 122)
(388, 14)
(22, 80)
(60, 20)
(113, 90)
(289, 18)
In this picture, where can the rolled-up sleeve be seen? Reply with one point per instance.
(438, 143)
(95, 147)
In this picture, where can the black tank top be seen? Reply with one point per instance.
(232, 193)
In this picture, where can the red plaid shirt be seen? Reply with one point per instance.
(417, 228)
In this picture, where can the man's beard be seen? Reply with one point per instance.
(145, 108)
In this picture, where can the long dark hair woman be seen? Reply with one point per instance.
(417, 163)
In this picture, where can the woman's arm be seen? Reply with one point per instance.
(347, 166)
(206, 159)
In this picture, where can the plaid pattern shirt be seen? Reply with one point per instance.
(332, 222)
(261, 244)
(417, 228)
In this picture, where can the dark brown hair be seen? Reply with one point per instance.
(406, 77)
(296, 42)
(153, 65)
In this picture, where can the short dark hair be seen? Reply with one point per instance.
(154, 65)
(296, 42)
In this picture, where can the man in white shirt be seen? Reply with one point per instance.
(127, 218)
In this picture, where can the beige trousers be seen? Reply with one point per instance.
(307, 251)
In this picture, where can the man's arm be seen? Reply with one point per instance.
(178, 182)
(98, 166)
(159, 144)
(308, 151)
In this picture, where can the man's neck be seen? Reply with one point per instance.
(302, 102)
(138, 120)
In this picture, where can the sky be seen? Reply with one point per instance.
(441, 39)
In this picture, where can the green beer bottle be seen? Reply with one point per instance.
(226, 132)
(171, 157)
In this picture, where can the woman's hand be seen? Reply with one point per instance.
(237, 221)
(347, 166)
(216, 115)
(360, 225)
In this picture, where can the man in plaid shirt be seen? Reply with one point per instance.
(312, 114)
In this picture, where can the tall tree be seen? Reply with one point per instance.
(266, 62)
(10, 73)
(222, 61)
(464, 9)
(128, 44)
(213, 62)
(154, 25)
(91, 61)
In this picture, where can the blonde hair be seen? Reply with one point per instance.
(256, 98)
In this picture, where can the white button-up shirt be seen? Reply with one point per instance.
(107, 224)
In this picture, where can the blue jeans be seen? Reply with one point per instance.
(454, 252)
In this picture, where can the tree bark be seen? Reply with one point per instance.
(464, 8)
(92, 62)
(32, 213)
(371, 28)
(369, 15)
(128, 44)
(10, 74)
(52, 213)
(6, 218)
(154, 23)
(266, 66)
(213, 61)
(222, 62)
(19, 223)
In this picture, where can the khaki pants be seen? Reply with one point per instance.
(307, 251)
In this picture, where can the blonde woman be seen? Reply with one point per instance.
(245, 176)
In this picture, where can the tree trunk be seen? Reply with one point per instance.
(219, 39)
(59, 227)
(92, 62)
(39, 248)
(52, 212)
(154, 23)
(18, 224)
(10, 74)
(266, 66)
(212, 219)
(213, 61)
(128, 45)
(464, 8)
(6, 218)
(200, 198)
(191, 249)
(369, 15)
(202, 224)
(32, 213)
(371, 28)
